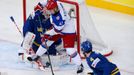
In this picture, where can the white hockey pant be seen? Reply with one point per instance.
(74, 55)
(42, 49)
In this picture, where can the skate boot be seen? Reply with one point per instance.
(47, 64)
(80, 68)
(36, 60)
(33, 58)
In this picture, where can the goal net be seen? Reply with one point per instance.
(85, 28)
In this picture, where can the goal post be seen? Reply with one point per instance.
(24, 10)
(85, 27)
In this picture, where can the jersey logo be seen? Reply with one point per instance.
(95, 62)
(91, 59)
(39, 29)
(58, 18)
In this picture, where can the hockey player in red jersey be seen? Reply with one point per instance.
(63, 27)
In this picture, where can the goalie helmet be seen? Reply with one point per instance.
(51, 4)
(86, 46)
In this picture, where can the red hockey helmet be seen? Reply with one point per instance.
(51, 4)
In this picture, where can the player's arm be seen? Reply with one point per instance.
(60, 19)
(28, 26)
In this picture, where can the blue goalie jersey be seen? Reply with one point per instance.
(38, 25)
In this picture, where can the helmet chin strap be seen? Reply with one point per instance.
(84, 54)
(87, 54)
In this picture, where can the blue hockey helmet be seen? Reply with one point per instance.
(86, 46)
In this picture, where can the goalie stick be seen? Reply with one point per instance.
(12, 19)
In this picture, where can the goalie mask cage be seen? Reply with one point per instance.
(85, 27)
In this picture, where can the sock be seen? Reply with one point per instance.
(41, 50)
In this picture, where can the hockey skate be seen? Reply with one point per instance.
(33, 58)
(80, 69)
(36, 61)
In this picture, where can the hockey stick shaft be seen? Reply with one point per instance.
(12, 19)
(47, 49)
(49, 57)
(50, 63)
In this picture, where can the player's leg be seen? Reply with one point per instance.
(111, 69)
(35, 46)
(69, 41)
(75, 58)
(52, 49)
(44, 47)
(26, 45)
(115, 71)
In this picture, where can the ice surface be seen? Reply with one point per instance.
(116, 29)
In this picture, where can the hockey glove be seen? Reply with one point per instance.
(90, 73)
(45, 36)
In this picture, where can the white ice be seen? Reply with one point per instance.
(116, 29)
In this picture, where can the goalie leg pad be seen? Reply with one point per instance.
(28, 40)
